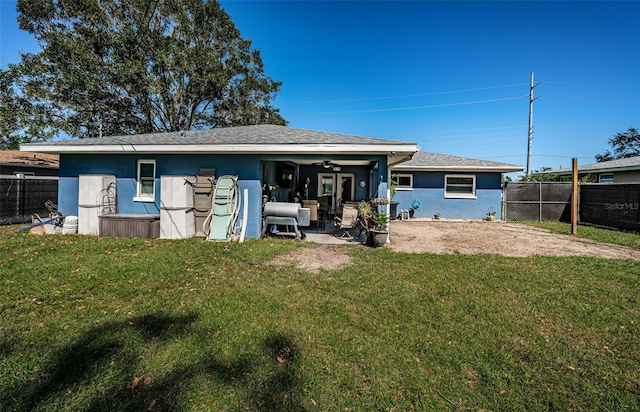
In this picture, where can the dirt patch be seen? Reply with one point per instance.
(469, 237)
(315, 258)
(474, 237)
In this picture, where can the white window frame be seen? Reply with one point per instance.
(145, 197)
(608, 177)
(329, 176)
(405, 187)
(456, 195)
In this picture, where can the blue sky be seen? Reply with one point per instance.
(452, 77)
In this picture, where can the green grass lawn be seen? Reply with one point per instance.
(612, 236)
(92, 324)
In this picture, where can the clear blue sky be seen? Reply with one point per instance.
(452, 76)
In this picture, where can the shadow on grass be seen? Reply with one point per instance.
(281, 390)
(102, 356)
(96, 372)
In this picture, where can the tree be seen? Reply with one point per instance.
(21, 119)
(120, 67)
(546, 174)
(542, 175)
(624, 145)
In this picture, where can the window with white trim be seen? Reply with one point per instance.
(146, 181)
(608, 178)
(460, 186)
(326, 182)
(405, 181)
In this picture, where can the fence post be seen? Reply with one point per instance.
(19, 190)
(540, 202)
(574, 197)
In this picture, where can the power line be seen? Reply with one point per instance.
(436, 133)
(599, 98)
(395, 109)
(408, 95)
(591, 83)
(454, 139)
(477, 129)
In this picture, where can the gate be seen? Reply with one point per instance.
(541, 201)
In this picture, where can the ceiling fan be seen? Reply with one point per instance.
(327, 164)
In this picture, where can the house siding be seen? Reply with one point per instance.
(428, 190)
(626, 177)
(247, 167)
(124, 168)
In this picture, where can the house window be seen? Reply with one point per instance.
(405, 181)
(460, 186)
(325, 185)
(608, 178)
(146, 181)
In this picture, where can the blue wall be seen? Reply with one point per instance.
(124, 168)
(247, 167)
(428, 189)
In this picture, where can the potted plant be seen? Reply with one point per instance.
(377, 201)
(366, 212)
(436, 216)
(380, 231)
(491, 216)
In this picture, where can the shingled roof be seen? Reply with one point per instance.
(240, 140)
(618, 165)
(17, 157)
(428, 161)
(266, 134)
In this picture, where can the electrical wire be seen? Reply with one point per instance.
(409, 95)
(395, 109)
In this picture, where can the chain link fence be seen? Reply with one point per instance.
(541, 201)
(23, 196)
(611, 205)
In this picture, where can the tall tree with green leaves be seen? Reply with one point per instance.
(624, 145)
(115, 67)
(22, 120)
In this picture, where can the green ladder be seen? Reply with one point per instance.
(224, 209)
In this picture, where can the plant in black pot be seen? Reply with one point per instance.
(380, 231)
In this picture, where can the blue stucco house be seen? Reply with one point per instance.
(451, 186)
(276, 162)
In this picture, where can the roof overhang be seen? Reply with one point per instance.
(593, 170)
(33, 166)
(453, 168)
(401, 151)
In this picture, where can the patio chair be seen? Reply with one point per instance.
(312, 205)
(349, 220)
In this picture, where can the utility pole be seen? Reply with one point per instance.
(530, 137)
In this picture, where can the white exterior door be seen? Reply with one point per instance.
(345, 187)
